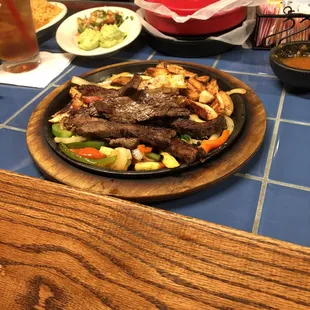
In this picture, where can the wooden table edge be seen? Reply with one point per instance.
(14, 178)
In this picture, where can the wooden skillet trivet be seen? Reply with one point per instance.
(146, 190)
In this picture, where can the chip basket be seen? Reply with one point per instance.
(287, 27)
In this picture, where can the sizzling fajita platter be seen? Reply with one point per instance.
(145, 121)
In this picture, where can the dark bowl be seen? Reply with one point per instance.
(291, 77)
(187, 47)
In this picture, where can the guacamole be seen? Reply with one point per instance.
(89, 39)
(110, 35)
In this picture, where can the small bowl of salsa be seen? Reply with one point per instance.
(290, 62)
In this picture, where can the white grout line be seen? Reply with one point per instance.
(284, 184)
(151, 56)
(295, 122)
(283, 120)
(271, 118)
(253, 74)
(27, 105)
(268, 166)
(248, 176)
(14, 128)
(299, 187)
(216, 61)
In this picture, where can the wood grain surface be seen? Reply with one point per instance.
(61, 248)
(146, 190)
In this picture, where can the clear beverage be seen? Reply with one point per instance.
(19, 49)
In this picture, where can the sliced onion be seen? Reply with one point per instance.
(122, 158)
(230, 124)
(79, 81)
(240, 91)
(214, 136)
(137, 155)
(195, 118)
(226, 103)
(58, 117)
(72, 139)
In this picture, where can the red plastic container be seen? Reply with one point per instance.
(217, 23)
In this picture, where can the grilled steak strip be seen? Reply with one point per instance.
(94, 90)
(100, 128)
(147, 105)
(128, 143)
(199, 130)
(187, 153)
(118, 109)
(77, 119)
(131, 87)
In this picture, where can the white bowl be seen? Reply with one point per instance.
(57, 18)
(66, 35)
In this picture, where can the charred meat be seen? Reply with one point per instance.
(128, 143)
(199, 130)
(183, 151)
(77, 119)
(101, 129)
(147, 105)
(131, 87)
(94, 90)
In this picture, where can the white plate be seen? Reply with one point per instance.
(66, 35)
(57, 18)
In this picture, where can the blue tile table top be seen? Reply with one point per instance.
(269, 196)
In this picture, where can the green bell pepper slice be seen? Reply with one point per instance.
(58, 132)
(186, 138)
(104, 162)
(93, 143)
(153, 156)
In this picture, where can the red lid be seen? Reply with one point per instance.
(184, 7)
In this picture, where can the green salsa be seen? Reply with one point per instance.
(89, 39)
(110, 35)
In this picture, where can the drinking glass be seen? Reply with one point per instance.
(19, 50)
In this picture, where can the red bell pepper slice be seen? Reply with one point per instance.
(209, 145)
(144, 149)
(88, 152)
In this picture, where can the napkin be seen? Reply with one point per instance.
(52, 64)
